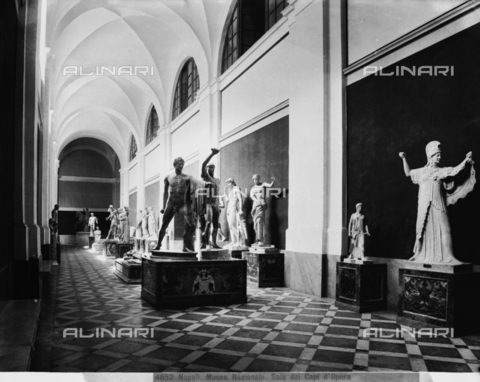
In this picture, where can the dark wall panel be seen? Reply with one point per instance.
(387, 115)
(85, 194)
(264, 152)
(86, 163)
(152, 199)
(68, 219)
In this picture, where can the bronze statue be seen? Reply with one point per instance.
(210, 209)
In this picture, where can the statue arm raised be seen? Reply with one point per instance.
(406, 167)
(205, 174)
(268, 185)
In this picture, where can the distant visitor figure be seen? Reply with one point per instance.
(357, 229)
(438, 188)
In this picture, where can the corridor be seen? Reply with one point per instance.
(277, 330)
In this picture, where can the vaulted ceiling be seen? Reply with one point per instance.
(159, 34)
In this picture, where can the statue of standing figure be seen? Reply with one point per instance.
(113, 217)
(144, 224)
(178, 199)
(92, 223)
(257, 193)
(235, 217)
(438, 188)
(138, 226)
(123, 217)
(210, 209)
(152, 230)
(52, 223)
(357, 229)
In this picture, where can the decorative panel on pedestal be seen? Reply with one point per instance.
(130, 271)
(361, 287)
(450, 300)
(170, 282)
(110, 248)
(265, 269)
(123, 248)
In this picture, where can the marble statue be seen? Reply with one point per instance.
(210, 206)
(152, 231)
(144, 224)
(124, 227)
(438, 188)
(92, 223)
(235, 218)
(98, 235)
(55, 213)
(138, 227)
(257, 194)
(357, 229)
(178, 199)
(113, 217)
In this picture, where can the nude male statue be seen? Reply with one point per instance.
(210, 212)
(177, 199)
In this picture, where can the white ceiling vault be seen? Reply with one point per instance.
(159, 34)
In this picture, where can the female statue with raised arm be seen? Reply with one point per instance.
(438, 188)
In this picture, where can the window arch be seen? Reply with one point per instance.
(186, 89)
(133, 148)
(152, 127)
(249, 21)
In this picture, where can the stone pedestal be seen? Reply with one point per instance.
(361, 287)
(265, 269)
(236, 254)
(123, 248)
(82, 239)
(129, 271)
(212, 254)
(446, 299)
(110, 248)
(98, 247)
(173, 255)
(179, 283)
(91, 239)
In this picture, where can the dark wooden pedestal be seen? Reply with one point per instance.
(91, 239)
(110, 248)
(265, 269)
(123, 248)
(129, 272)
(180, 283)
(449, 300)
(361, 287)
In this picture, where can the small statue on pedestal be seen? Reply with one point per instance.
(357, 229)
(113, 217)
(438, 188)
(257, 193)
(152, 230)
(92, 224)
(144, 224)
(124, 228)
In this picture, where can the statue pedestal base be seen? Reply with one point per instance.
(265, 269)
(123, 248)
(129, 271)
(110, 248)
(212, 254)
(256, 248)
(179, 283)
(91, 239)
(98, 247)
(82, 239)
(173, 255)
(237, 254)
(445, 268)
(361, 287)
(357, 261)
(445, 299)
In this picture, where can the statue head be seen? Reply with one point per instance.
(178, 163)
(358, 206)
(256, 178)
(230, 182)
(91, 213)
(56, 207)
(433, 151)
(210, 169)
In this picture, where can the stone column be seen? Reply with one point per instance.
(27, 232)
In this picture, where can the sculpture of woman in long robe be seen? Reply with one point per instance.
(438, 188)
(357, 229)
(259, 207)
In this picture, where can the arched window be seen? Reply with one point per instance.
(133, 148)
(249, 21)
(152, 126)
(186, 89)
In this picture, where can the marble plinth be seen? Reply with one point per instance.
(444, 268)
(129, 271)
(450, 300)
(265, 269)
(264, 248)
(110, 248)
(98, 247)
(178, 283)
(82, 239)
(361, 287)
(357, 261)
(173, 255)
(211, 254)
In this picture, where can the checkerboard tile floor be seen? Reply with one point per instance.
(277, 330)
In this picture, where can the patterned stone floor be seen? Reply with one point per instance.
(277, 330)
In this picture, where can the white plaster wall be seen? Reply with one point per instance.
(152, 163)
(187, 139)
(262, 87)
(133, 177)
